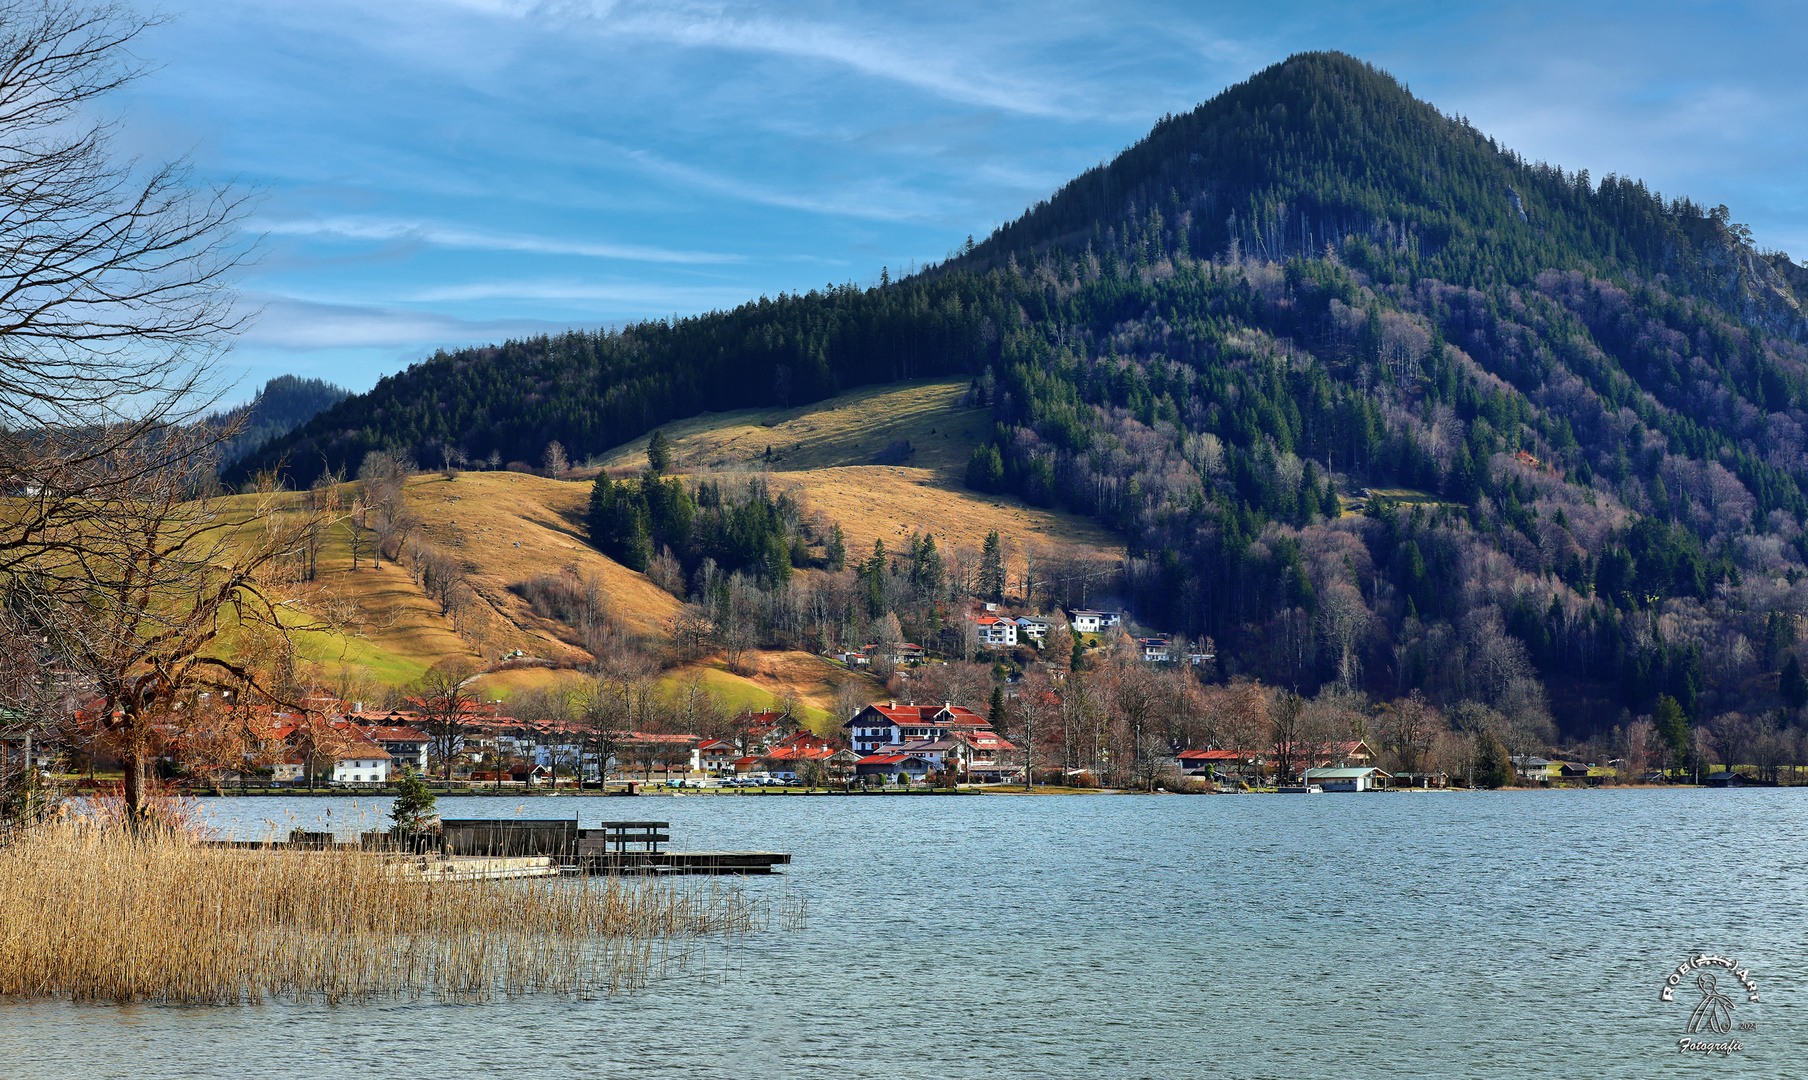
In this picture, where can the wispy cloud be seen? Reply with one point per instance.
(876, 201)
(634, 296)
(286, 322)
(390, 230)
(889, 52)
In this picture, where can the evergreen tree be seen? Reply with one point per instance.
(836, 549)
(991, 569)
(1672, 727)
(985, 469)
(1792, 684)
(414, 809)
(996, 713)
(1493, 768)
(659, 454)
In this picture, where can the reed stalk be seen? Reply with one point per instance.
(89, 912)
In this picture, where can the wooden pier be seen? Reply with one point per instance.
(612, 847)
(474, 849)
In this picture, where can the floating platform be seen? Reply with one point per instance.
(682, 862)
(480, 869)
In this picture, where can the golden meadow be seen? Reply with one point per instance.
(89, 912)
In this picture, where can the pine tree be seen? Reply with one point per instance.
(414, 810)
(996, 712)
(1673, 727)
(837, 549)
(991, 569)
(1493, 768)
(1792, 684)
(659, 454)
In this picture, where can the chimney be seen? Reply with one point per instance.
(891, 704)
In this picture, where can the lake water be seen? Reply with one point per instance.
(1452, 934)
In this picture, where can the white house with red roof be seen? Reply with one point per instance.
(994, 631)
(891, 725)
(717, 755)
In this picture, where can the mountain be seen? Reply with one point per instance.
(284, 404)
(1571, 413)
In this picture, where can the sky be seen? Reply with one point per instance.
(437, 173)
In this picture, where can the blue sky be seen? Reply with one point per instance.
(446, 172)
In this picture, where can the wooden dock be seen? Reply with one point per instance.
(612, 847)
(485, 849)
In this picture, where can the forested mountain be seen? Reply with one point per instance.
(284, 404)
(1590, 401)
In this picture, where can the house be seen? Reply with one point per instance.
(1087, 621)
(1534, 768)
(339, 752)
(1155, 650)
(996, 632)
(983, 754)
(406, 745)
(889, 725)
(1348, 753)
(1034, 627)
(890, 765)
(1210, 762)
(790, 762)
(717, 756)
(1356, 779)
(898, 652)
(361, 760)
(649, 752)
(761, 729)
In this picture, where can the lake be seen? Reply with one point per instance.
(1505, 934)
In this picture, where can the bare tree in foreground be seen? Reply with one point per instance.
(159, 596)
(113, 297)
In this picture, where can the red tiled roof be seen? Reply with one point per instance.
(1212, 755)
(930, 714)
(397, 734)
(801, 753)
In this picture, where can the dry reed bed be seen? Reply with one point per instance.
(91, 913)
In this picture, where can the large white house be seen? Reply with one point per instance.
(994, 631)
(1087, 621)
(891, 724)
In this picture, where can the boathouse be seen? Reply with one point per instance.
(1356, 779)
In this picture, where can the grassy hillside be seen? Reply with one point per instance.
(855, 428)
(509, 527)
(828, 451)
(506, 528)
(503, 529)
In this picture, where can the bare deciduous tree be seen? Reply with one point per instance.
(447, 706)
(158, 595)
(113, 297)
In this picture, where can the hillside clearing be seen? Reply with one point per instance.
(855, 428)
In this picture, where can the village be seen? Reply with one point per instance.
(474, 746)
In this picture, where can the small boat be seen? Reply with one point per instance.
(1302, 789)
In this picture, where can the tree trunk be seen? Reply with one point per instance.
(132, 789)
